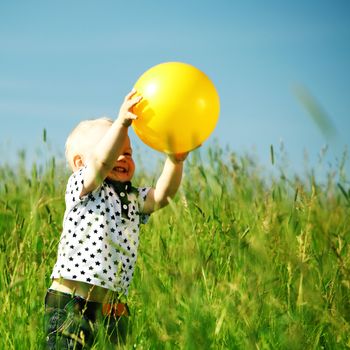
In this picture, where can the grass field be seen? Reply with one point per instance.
(239, 260)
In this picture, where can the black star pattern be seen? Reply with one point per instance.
(113, 208)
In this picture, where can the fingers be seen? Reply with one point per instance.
(130, 115)
(130, 94)
(132, 102)
(178, 157)
(126, 115)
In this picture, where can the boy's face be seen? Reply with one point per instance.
(124, 167)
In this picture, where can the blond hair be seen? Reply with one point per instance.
(81, 140)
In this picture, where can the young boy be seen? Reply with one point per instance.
(98, 246)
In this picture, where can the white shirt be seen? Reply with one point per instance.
(98, 243)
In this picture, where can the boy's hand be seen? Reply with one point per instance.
(125, 115)
(178, 157)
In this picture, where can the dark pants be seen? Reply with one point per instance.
(72, 322)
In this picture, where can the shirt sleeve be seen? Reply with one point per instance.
(74, 187)
(142, 194)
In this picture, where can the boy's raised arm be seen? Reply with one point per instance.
(107, 151)
(167, 184)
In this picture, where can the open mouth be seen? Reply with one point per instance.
(120, 169)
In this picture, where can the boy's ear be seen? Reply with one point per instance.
(78, 161)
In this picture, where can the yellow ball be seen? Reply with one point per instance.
(179, 109)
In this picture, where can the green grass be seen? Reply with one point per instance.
(239, 259)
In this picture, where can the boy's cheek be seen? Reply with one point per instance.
(131, 172)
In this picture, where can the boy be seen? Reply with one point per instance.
(98, 247)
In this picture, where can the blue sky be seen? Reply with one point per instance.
(64, 61)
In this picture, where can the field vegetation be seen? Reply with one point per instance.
(241, 259)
